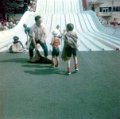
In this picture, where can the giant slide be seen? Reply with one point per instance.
(93, 36)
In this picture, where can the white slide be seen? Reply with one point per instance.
(92, 34)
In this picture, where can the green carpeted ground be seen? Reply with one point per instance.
(35, 91)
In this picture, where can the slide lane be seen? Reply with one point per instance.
(92, 35)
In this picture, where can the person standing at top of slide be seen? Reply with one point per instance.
(27, 32)
(58, 31)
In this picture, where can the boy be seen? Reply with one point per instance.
(70, 42)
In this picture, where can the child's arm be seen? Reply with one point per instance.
(21, 44)
(59, 42)
(52, 41)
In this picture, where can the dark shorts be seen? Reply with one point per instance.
(71, 51)
(55, 52)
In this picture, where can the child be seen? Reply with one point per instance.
(58, 31)
(55, 49)
(17, 46)
(70, 42)
(27, 32)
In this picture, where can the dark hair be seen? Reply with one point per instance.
(16, 39)
(70, 27)
(37, 18)
(57, 26)
(24, 25)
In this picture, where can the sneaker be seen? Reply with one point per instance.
(68, 73)
(76, 69)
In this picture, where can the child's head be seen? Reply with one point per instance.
(16, 39)
(69, 27)
(24, 25)
(57, 26)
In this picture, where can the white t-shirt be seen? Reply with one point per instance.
(39, 32)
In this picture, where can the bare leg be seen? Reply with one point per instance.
(75, 63)
(53, 62)
(58, 61)
(68, 65)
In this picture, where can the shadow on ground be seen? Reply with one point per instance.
(16, 60)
